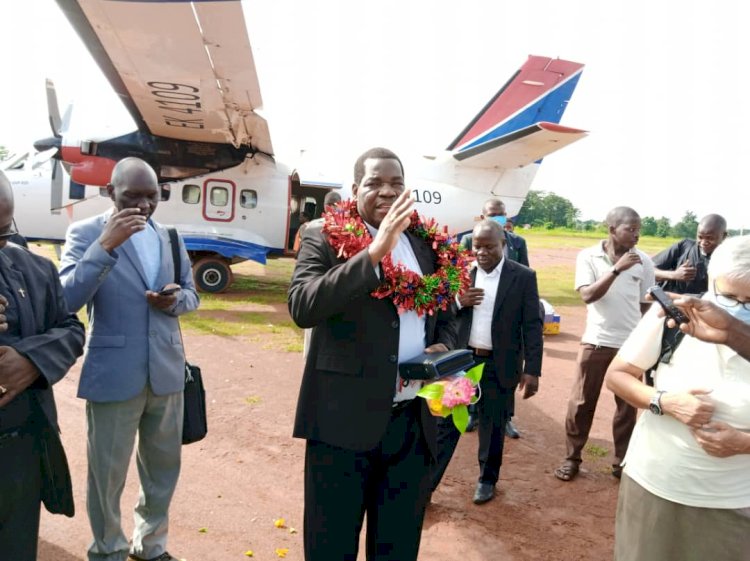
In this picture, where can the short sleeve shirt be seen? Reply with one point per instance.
(675, 255)
(610, 319)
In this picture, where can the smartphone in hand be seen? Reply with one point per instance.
(168, 291)
(666, 303)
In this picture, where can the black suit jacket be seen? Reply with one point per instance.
(52, 339)
(516, 324)
(350, 374)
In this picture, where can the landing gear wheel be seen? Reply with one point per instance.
(212, 275)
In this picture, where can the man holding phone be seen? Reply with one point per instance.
(119, 264)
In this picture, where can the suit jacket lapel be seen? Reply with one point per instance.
(129, 250)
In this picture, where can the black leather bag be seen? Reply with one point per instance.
(195, 421)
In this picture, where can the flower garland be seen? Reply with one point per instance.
(348, 235)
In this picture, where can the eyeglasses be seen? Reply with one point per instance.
(8, 232)
(729, 301)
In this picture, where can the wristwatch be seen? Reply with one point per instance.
(655, 404)
(614, 271)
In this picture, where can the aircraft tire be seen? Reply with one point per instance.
(212, 274)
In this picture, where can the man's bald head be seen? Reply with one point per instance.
(493, 207)
(489, 227)
(134, 185)
(133, 169)
(621, 215)
(712, 230)
(6, 192)
(6, 209)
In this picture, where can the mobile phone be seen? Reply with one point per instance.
(168, 291)
(666, 303)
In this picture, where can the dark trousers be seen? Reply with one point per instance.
(20, 495)
(493, 410)
(390, 483)
(593, 362)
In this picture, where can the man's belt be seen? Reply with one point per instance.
(481, 352)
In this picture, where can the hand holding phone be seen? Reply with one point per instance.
(667, 305)
(168, 291)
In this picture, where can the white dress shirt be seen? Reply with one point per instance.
(481, 322)
(411, 333)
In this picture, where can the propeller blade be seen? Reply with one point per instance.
(66, 119)
(56, 188)
(53, 109)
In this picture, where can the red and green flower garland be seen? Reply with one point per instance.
(348, 235)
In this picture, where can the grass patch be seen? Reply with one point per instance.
(595, 451)
(556, 285)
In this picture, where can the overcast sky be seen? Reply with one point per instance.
(663, 92)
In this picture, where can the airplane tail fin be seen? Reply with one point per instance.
(519, 125)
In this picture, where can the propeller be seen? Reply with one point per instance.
(59, 128)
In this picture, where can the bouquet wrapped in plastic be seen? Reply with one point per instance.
(453, 394)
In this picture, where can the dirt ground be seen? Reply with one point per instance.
(247, 473)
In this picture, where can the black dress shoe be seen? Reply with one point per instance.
(483, 493)
(511, 430)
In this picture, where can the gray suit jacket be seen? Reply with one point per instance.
(131, 343)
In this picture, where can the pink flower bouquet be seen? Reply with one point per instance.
(451, 395)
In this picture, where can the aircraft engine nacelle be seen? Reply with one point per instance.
(88, 170)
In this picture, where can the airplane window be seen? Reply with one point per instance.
(219, 196)
(166, 190)
(191, 194)
(248, 198)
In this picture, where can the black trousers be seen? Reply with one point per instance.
(390, 483)
(20, 495)
(493, 410)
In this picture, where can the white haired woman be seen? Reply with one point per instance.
(685, 490)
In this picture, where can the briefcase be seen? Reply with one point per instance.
(432, 366)
(194, 424)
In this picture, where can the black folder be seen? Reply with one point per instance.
(432, 366)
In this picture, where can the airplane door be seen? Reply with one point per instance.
(218, 200)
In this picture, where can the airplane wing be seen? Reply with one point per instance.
(519, 148)
(183, 69)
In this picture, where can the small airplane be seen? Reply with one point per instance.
(192, 90)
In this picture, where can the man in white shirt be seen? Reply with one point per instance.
(612, 278)
(499, 320)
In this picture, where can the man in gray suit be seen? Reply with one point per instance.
(117, 264)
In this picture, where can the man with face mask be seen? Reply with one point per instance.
(514, 249)
(683, 267)
(117, 264)
(685, 491)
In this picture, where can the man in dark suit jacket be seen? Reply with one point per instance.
(370, 442)
(499, 320)
(39, 342)
(515, 249)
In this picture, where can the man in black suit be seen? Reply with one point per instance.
(39, 341)
(515, 250)
(370, 443)
(499, 320)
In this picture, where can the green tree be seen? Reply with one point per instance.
(687, 227)
(648, 226)
(663, 227)
(547, 209)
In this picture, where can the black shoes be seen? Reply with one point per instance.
(484, 492)
(163, 557)
(510, 429)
